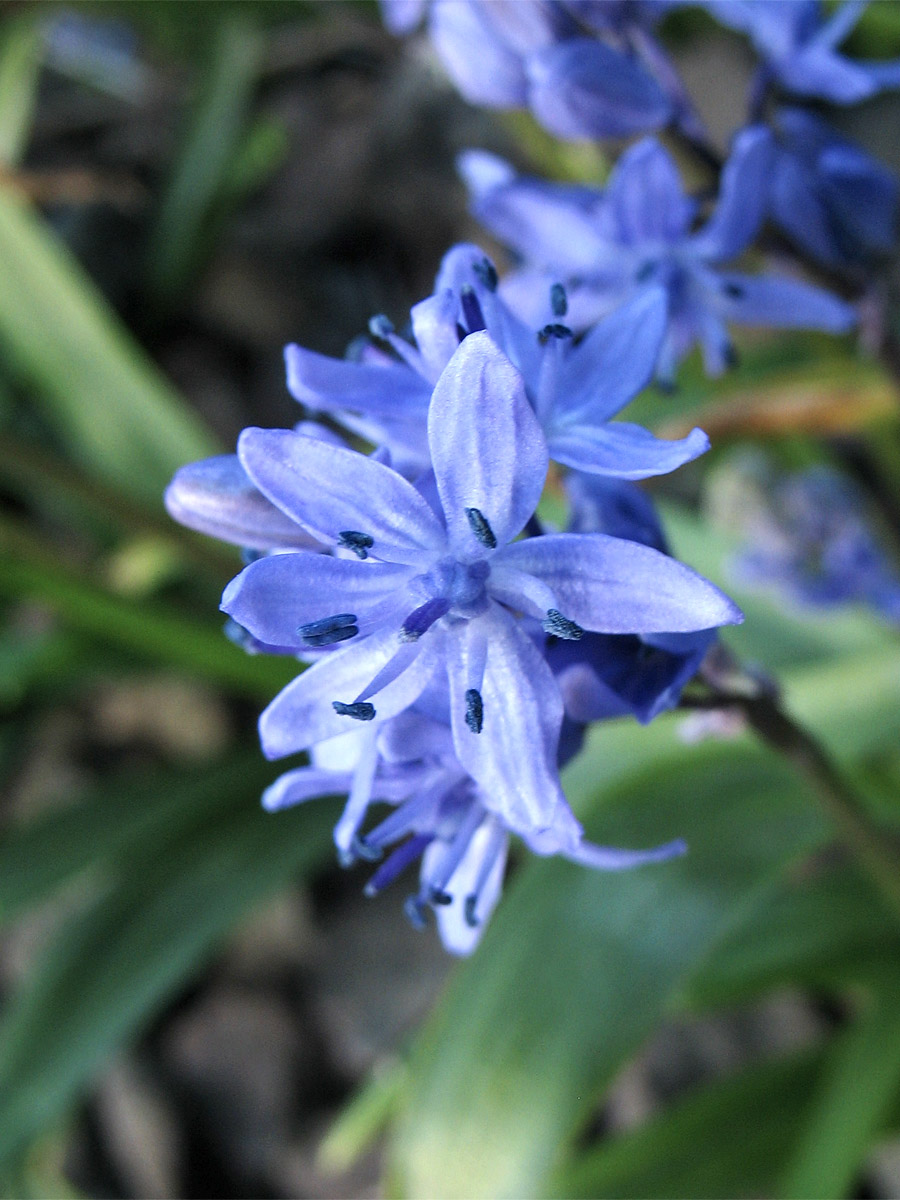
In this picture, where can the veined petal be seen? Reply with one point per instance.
(613, 362)
(513, 758)
(743, 196)
(479, 875)
(332, 384)
(274, 596)
(646, 195)
(581, 88)
(303, 714)
(332, 490)
(487, 447)
(613, 586)
(624, 450)
(217, 497)
(783, 303)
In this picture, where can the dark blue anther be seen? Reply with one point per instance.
(486, 273)
(329, 630)
(469, 911)
(249, 555)
(381, 327)
(474, 710)
(359, 543)
(421, 619)
(416, 912)
(360, 711)
(731, 356)
(645, 271)
(555, 331)
(559, 626)
(559, 301)
(481, 527)
(472, 313)
(735, 290)
(439, 897)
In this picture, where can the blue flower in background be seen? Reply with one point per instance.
(576, 387)
(798, 43)
(540, 54)
(434, 580)
(809, 534)
(836, 202)
(639, 234)
(458, 832)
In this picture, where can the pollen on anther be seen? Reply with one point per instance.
(360, 711)
(359, 543)
(481, 527)
(559, 626)
(474, 710)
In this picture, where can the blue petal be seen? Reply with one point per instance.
(646, 194)
(742, 198)
(217, 497)
(487, 448)
(613, 586)
(333, 384)
(402, 16)
(331, 489)
(613, 362)
(304, 783)
(623, 450)
(483, 66)
(274, 596)
(482, 867)
(782, 303)
(303, 714)
(581, 88)
(610, 858)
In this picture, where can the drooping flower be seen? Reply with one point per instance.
(539, 54)
(836, 202)
(638, 234)
(439, 581)
(457, 831)
(576, 388)
(798, 43)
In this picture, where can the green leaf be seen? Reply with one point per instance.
(213, 139)
(119, 416)
(21, 51)
(115, 964)
(853, 1099)
(578, 967)
(729, 1138)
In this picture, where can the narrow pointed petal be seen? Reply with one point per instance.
(302, 713)
(331, 489)
(513, 758)
(783, 303)
(304, 783)
(218, 498)
(581, 88)
(613, 586)
(332, 384)
(275, 596)
(743, 197)
(646, 195)
(487, 448)
(610, 858)
(483, 66)
(623, 450)
(613, 362)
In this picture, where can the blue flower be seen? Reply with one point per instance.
(799, 47)
(435, 579)
(458, 832)
(575, 387)
(638, 234)
(535, 53)
(836, 202)
(810, 535)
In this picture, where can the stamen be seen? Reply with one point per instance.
(486, 273)
(329, 630)
(481, 527)
(363, 849)
(734, 290)
(360, 711)
(645, 271)
(397, 862)
(381, 327)
(421, 619)
(471, 309)
(731, 356)
(249, 555)
(469, 911)
(555, 331)
(359, 543)
(559, 626)
(439, 896)
(416, 912)
(474, 710)
(559, 301)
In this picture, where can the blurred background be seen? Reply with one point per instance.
(196, 1000)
